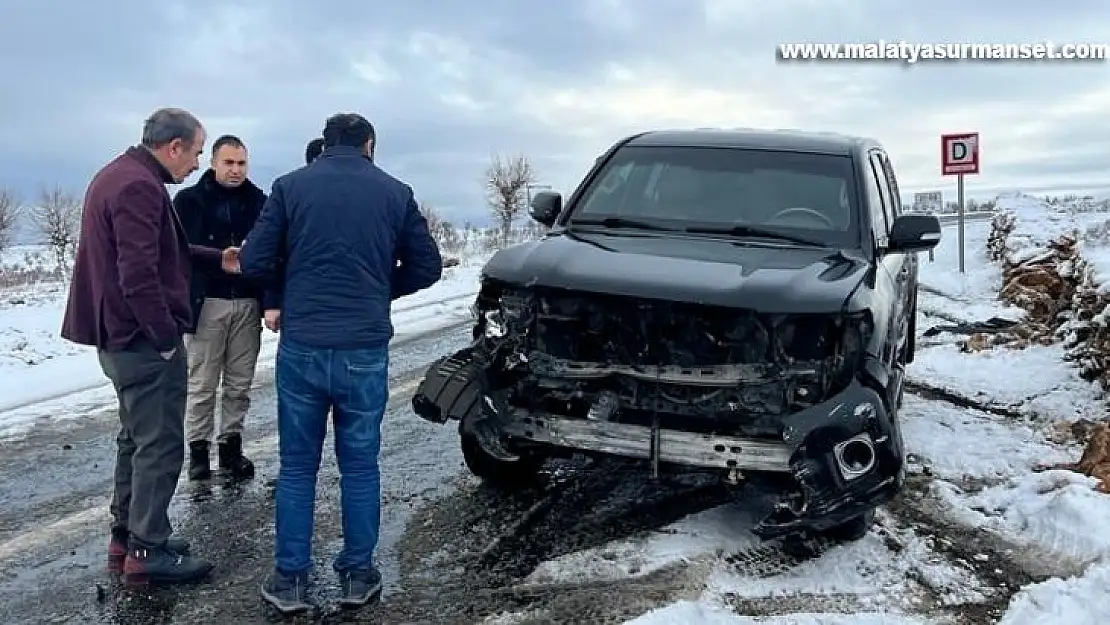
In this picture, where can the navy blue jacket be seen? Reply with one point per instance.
(352, 240)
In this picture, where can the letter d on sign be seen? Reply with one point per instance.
(959, 153)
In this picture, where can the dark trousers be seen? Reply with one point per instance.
(151, 441)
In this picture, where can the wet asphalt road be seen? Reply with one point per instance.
(451, 550)
(53, 511)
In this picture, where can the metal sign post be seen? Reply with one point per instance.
(959, 155)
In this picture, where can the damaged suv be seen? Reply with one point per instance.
(733, 300)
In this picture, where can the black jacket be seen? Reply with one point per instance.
(220, 217)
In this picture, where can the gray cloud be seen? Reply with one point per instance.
(449, 84)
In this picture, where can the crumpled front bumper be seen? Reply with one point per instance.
(845, 454)
(836, 480)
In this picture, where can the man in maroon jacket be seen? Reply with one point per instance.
(129, 297)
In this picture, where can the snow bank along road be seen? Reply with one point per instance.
(595, 544)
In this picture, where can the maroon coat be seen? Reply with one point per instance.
(131, 275)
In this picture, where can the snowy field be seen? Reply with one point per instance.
(986, 520)
(40, 373)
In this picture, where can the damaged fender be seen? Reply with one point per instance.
(847, 458)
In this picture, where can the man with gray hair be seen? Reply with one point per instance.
(129, 298)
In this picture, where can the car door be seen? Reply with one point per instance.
(896, 266)
(911, 260)
(889, 276)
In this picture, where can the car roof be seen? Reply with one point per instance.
(754, 138)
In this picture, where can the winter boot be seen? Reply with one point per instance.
(232, 461)
(199, 466)
(117, 549)
(359, 587)
(286, 592)
(159, 565)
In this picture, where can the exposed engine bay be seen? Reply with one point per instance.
(680, 383)
(701, 368)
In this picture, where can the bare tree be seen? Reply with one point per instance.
(58, 217)
(443, 231)
(432, 216)
(9, 210)
(507, 182)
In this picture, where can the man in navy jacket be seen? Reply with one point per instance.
(353, 240)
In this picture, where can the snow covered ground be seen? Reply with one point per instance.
(42, 374)
(977, 472)
(983, 523)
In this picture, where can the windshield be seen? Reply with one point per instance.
(809, 196)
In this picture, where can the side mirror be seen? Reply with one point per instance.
(914, 233)
(546, 206)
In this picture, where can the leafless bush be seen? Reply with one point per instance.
(431, 215)
(34, 268)
(58, 217)
(507, 182)
(9, 210)
(443, 231)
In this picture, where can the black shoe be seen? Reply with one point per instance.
(199, 464)
(232, 460)
(159, 565)
(117, 549)
(359, 587)
(287, 593)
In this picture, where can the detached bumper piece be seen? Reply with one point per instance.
(848, 459)
(636, 441)
(451, 389)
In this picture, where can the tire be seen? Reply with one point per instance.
(503, 475)
(853, 529)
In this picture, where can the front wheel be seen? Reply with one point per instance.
(853, 529)
(502, 474)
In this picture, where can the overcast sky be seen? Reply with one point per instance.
(448, 83)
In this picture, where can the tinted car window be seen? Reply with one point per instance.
(810, 194)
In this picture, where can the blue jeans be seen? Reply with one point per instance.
(354, 384)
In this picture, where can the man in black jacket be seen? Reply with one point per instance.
(225, 338)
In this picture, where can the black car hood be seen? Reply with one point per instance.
(725, 272)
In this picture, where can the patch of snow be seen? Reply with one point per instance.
(511, 618)
(971, 296)
(1082, 600)
(1034, 380)
(864, 575)
(1058, 511)
(719, 530)
(706, 613)
(1097, 255)
(953, 442)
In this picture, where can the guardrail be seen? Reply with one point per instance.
(952, 218)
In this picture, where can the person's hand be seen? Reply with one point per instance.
(229, 260)
(168, 355)
(273, 319)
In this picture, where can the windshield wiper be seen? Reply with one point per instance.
(620, 222)
(753, 231)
